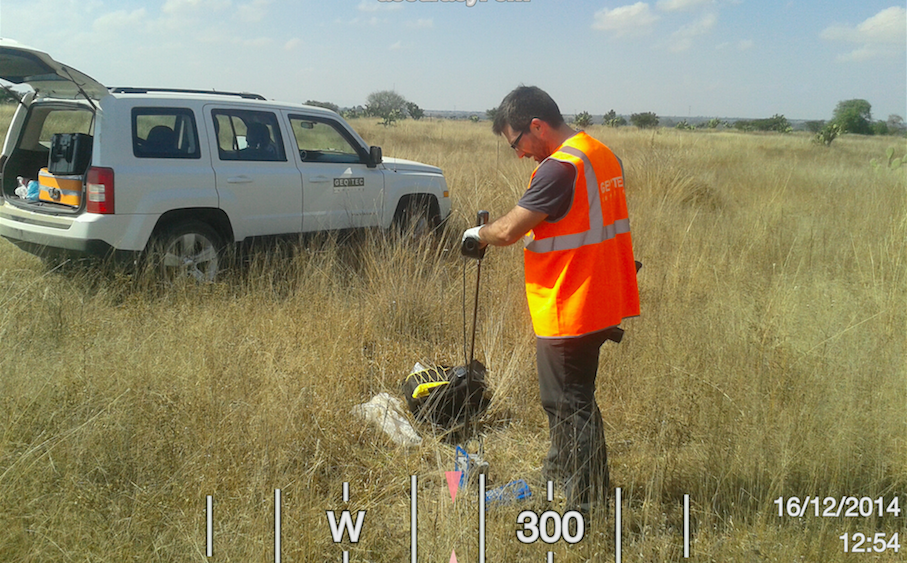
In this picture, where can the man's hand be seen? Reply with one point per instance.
(473, 233)
(471, 246)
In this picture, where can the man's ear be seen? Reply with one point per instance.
(540, 127)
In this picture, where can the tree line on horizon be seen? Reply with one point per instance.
(388, 105)
(849, 117)
(852, 116)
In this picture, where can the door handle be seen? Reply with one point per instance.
(319, 180)
(239, 180)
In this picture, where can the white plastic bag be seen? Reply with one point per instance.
(385, 412)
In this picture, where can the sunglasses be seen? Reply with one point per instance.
(516, 143)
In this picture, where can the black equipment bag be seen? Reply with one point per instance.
(70, 154)
(439, 395)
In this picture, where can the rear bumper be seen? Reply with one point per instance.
(85, 233)
(42, 246)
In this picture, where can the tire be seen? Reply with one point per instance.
(190, 250)
(417, 218)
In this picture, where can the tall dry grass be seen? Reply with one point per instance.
(769, 360)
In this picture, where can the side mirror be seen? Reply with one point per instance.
(374, 156)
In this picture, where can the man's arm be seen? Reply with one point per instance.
(511, 227)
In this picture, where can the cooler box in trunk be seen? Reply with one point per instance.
(70, 153)
(63, 189)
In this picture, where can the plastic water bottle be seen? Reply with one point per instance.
(22, 190)
(469, 465)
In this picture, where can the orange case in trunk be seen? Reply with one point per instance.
(66, 190)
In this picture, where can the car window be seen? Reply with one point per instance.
(43, 122)
(321, 141)
(248, 135)
(164, 133)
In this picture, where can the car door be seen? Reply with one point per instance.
(258, 187)
(339, 190)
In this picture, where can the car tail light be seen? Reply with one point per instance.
(99, 188)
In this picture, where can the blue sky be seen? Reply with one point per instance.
(725, 58)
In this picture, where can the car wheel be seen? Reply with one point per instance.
(417, 218)
(189, 251)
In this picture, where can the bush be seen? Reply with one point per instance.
(854, 116)
(326, 105)
(414, 111)
(777, 123)
(815, 126)
(583, 119)
(880, 128)
(828, 134)
(684, 126)
(891, 162)
(386, 104)
(647, 120)
(611, 119)
(352, 113)
(714, 123)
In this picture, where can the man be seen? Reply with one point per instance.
(580, 277)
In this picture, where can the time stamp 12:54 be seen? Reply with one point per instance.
(848, 507)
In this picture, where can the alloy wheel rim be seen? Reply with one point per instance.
(192, 256)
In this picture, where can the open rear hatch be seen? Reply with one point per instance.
(22, 67)
(53, 144)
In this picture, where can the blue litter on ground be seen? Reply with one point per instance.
(510, 493)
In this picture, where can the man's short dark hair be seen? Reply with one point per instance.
(523, 104)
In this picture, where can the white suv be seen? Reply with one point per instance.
(124, 170)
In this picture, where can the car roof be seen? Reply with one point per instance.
(213, 96)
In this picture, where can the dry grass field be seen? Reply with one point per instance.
(769, 361)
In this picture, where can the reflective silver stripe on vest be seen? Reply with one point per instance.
(594, 235)
(597, 231)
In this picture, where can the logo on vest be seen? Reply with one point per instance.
(613, 185)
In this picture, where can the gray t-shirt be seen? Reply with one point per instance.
(551, 190)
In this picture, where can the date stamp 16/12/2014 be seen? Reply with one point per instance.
(833, 507)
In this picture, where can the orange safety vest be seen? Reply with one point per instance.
(580, 272)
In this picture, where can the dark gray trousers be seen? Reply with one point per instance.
(578, 458)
